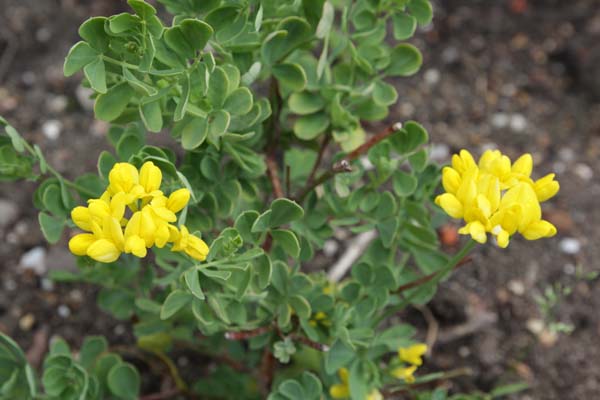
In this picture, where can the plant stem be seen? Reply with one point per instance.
(436, 278)
(315, 167)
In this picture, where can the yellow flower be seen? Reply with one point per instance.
(405, 373)
(111, 233)
(413, 354)
(375, 395)
(497, 197)
(319, 318)
(341, 390)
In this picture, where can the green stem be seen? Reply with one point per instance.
(434, 281)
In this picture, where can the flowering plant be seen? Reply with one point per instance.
(213, 246)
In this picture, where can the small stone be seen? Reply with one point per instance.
(63, 311)
(183, 361)
(34, 260)
(8, 212)
(518, 122)
(26, 322)
(119, 330)
(29, 78)
(10, 285)
(47, 284)
(584, 171)
(569, 269)
(535, 326)
(52, 129)
(566, 154)
(431, 76)
(330, 247)
(76, 296)
(450, 55)
(464, 351)
(43, 34)
(516, 287)
(83, 96)
(570, 245)
(548, 338)
(407, 109)
(57, 104)
(500, 120)
(439, 152)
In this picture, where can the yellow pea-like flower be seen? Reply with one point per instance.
(123, 177)
(103, 250)
(341, 390)
(80, 243)
(413, 354)
(404, 373)
(497, 197)
(150, 177)
(178, 200)
(82, 217)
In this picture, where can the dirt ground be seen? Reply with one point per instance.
(520, 75)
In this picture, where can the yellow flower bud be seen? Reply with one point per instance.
(150, 177)
(546, 187)
(450, 180)
(79, 244)
(103, 250)
(523, 166)
(178, 200)
(196, 248)
(450, 204)
(413, 354)
(82, 217)
(122, 178)
(404, 373)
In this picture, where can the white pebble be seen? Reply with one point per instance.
(119, 330)
(569, 269)
(439, 152)
(47, 284)
(570, 245)
(57, 104)
(518, 122)
(43, 34)
(330, 247)
(63, 311)
(584, 171)
(407, 109)
(464, 351)
(34, 260)
(29, 78)
(566, 154)
(559, 167)
(517, 287)
(500, 120)
(432, 76)
(535, 326)
(52, 129)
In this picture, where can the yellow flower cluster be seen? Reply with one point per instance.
(496, 196)
(133, 215)
(413, 356)
(342, 390)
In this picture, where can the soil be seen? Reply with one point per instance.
(519, 75)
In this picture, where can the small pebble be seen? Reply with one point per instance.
(43, 34)
(464, 351)
(570, 245)
(431, 76)
(535, 326)
(47, 284)
(29, 78)
(330, 247)
(26, 322)
(10, 285)
(8, 212)
(450, 55)
(63, 311)
(57, 104)
(439, 152)
(518, 122)
(500, 120)
(119, 330)
(566, 154)
(569, 269)
(183, 361)
(516, 287)
(584, 171)
(52, 129)
(407, 109)
(35, 260)
(83, 96)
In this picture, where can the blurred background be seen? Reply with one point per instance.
(518, 75)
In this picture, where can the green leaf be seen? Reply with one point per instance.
(421, 10)
(288, 35)
(105, 163)
(175, 301)
(52, 228)
(301, 306)
(110, 105)
(17, 140)
(388, 230)
(338, 356)
(128, 145)
(92, 348)
(183, 99)
(141, 8)
(284, 211)
(147, 305)
(193, 283)
(194, 133)
(218, 87)
(122, 23)
(291, 76)
(326, 20)
(304, 103)
(309, 127)
(92, 31)
(239, 102)
(404, 184)
(418, 161)
(80, 55)
(96, 75)
(384, 94)
(404, 26)
(287, 240)
(262, 223)
(292, 390)
(188, 37)
(151, 115)
(409, 138)
(264, 270)
(405, 60)
(124, 381)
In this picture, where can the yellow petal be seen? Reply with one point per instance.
(339, 391)
(162, 236)
(343, 374)
(103, 250)
(546, 187)
(122, 177)
(523, 165)
(476, 230)
(82, 217)
(413, 354)
(80, 243)
(450, 180)
(450, 204)
(178, 200)
(113, 232)
(405, 373)
(375, 395)
(463, 162)
(150, 177)
(539, 229)
(136, 246)
(196, 248)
